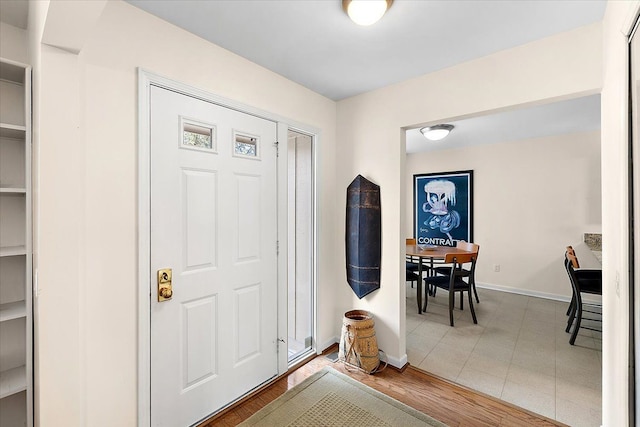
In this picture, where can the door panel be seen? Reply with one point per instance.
(247, 325)
(213, 222)
(248, 226)
(200, 220)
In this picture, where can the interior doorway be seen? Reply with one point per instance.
(300, 195)
(519, 351)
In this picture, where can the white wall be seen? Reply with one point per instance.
(536, 195)
(371, 140)
(87, 264)
(615, 286)
(88, 169)
(13, 43)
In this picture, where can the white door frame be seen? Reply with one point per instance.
(145, 80)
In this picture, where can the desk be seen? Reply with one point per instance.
(432, 253)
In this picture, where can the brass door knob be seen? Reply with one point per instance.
(165, 290)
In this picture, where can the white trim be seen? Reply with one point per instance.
(632, 16)
(145, 80)
(315, 143)
(316, 188)
(398, 363)
(315, 149)
(192, 91)
(631, 401)
(144, 255)
(283, 252)
(529, 293)
(526, 292)
(28, 146)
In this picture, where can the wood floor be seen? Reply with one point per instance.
(447, 402)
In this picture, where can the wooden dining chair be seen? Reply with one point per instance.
(469, 247)
(454, 281)
(588, 281)
(412, 263)
(412, 277)
(570, 250)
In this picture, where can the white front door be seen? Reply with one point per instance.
(214, 223)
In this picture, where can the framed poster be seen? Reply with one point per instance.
(443, 208)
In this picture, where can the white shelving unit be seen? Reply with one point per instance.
(16, 324)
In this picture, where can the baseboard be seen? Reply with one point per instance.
(399, 364)
(529, 293)
(327, 344)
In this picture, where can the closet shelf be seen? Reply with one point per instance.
(12, 310)
(16, 317)
(13, 190)
(12, 131)
(13, 250)
(13, 381)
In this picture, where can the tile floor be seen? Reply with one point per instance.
(518, 352)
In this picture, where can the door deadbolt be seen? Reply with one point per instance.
(165, 290)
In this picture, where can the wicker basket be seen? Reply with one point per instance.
(358, 344)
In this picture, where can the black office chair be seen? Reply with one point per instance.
(585, 281)
(454, 281)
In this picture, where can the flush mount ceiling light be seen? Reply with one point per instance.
(366, 12)
(436, 132)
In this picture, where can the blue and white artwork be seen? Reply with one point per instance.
(443, 208)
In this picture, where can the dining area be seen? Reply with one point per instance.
(450, 268)
(498, 326)
(516, 349)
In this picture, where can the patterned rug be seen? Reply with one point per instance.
(329, 398)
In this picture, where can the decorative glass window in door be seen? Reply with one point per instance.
(245, 145)
(197, 136)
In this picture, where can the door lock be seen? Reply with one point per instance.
(165, 290)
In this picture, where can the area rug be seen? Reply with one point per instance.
(329, 398)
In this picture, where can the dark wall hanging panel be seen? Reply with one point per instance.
(363, 236)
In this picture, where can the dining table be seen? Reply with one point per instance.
(428, 255)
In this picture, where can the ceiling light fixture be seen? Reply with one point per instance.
(366, 12)
(436, 132)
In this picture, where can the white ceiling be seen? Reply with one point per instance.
(314, 43)
(559, 118)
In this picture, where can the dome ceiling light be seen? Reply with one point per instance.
(366, 12)
(436, 132)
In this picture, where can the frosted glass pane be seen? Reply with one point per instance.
(197, 136)
(246, 145)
